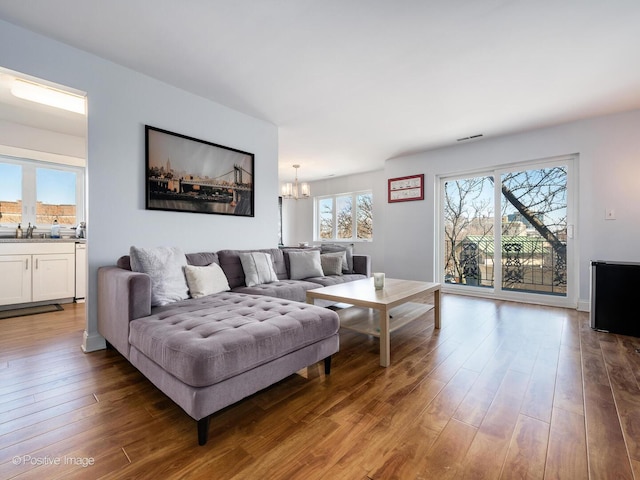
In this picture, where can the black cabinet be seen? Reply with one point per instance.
(614, 307)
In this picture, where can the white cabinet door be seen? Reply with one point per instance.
(15, 279)
(53, 276)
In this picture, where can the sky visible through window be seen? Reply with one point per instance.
(10, 182)
(56, 187)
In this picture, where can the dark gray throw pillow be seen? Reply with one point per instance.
(345, 250)
(331, 264)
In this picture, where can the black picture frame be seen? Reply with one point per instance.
(185, 174)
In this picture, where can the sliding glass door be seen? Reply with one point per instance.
(508, 232)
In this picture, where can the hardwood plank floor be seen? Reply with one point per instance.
(502, 391)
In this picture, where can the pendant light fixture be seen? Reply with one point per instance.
(296, 190)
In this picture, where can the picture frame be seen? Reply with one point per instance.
(185, 174)
(406, 189)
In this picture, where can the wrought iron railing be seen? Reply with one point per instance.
(529, 264)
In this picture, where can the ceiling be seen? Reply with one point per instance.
(353, 83)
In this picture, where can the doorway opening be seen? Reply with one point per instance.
(43, 159)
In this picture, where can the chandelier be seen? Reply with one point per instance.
(296, 190)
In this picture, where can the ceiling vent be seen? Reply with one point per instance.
(463, 139)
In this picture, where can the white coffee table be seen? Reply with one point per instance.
(380, 312)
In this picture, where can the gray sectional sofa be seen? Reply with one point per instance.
(209, 352)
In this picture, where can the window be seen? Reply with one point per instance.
(39, 193)
(55, 197)
(508, 232)
(345, 217)
(10, 194)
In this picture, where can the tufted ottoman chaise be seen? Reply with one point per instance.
(210, 352)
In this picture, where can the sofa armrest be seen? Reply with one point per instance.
(362, 264)
(122, 296)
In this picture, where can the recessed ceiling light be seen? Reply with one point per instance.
(34, 92)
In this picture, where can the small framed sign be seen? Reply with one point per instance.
(406, 189)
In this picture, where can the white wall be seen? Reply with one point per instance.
(608, 169)
(297, 215)
(120, 103)
(15, 135)
(609, 177)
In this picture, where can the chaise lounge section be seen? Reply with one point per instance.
(209, 352)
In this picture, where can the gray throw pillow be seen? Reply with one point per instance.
(258, 268)
(331, 264)
(346, 253)
(165, 267)
(305, 264)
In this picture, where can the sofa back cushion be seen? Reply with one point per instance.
(201, 259)
(230, 262)
(124, 262)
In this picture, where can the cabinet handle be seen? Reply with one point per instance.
(26, 267)
(36, 263)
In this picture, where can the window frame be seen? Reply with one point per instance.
(30, 193)
(354, 217)
(496, 291)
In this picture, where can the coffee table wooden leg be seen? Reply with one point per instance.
(436, 308)
(385, 347)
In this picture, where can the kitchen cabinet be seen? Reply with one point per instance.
(15, 279)
(36, 272)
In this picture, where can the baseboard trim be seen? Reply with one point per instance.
(584, 306)
(93, 342)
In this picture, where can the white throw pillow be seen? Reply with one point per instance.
(305, 264)
(165, 267)
(205, 280)
(258, 268)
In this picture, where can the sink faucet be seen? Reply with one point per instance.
(30, 230)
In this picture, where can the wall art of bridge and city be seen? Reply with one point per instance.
(185, 174)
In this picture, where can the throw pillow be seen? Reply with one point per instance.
(165, 267)
(205, 280)
(345, 252)
(304, 264)
(331, 264)
(258, 268)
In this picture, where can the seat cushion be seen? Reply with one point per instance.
(329, 280)
(295, 290)
(206, 340)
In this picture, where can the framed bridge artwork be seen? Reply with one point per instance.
(185, 174)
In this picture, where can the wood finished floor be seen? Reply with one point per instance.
(502, 391)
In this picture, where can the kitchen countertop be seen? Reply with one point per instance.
(43, 240)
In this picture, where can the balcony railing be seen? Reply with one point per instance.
(529, 264)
